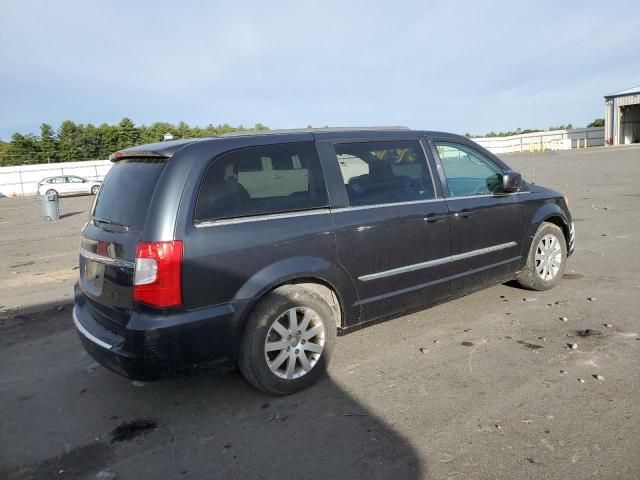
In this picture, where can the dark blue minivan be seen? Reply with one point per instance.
(254, 250)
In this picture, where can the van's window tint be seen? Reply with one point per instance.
(467, 171)
(126, 192)
(289, 179)
(384, 172)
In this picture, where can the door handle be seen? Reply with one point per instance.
(463, 214)
(435, 218)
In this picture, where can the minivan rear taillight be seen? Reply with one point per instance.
(158, 275)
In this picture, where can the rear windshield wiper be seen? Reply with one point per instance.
(110, 222)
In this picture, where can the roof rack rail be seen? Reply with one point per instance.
(284, 131)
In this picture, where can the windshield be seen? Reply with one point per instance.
(126, 192)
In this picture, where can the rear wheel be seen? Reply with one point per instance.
(287, 341)
(95, 189)
(546, 259)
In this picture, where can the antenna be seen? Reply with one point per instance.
(533, 167)
(533, 150)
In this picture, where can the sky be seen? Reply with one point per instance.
(439, 65)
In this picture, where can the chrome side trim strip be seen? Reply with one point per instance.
(106, 260)
(406, 269)
(436, 282)
(416, 202)
(487, 195)
(382, 205)
(260, 218)
(86, 333)
(436, 262)
(303, 213)
(483, 251)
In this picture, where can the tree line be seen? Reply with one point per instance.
(598, 122)
(74, 142)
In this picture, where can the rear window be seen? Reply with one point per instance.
(126, 192)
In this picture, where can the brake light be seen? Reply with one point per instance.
(158, 274)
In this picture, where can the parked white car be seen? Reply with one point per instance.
(68, 185)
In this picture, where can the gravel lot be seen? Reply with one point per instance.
(481, 387)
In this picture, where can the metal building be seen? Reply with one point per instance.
(622, 117)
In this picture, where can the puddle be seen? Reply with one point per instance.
(588, 332)
(532, 346)
(129, 430)
(467, 344)
(572, 276)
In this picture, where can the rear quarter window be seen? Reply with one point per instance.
(281, 178)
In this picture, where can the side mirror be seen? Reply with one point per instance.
(511, 181)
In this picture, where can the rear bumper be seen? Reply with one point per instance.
(150, 347)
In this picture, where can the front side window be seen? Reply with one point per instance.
(384, 172)
(262, 180)
(467, 171)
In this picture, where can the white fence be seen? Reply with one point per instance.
(542, 141)
(23, 180)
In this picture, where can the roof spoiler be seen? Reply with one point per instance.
(124, 154)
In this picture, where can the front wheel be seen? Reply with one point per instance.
(51, 192)
(546, 259)
(95, 189)
(287, 341)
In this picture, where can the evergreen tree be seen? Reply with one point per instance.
(90, 142)
(127, 134)
(69, 142)
(108, 140)
(183, 130)
(22, 149)
(48, 143)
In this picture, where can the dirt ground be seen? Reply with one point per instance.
(485, 386)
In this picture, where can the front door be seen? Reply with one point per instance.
(75, 185)
(486, 223)
(393, 237)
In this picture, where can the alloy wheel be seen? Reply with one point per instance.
(294, 343)
(548, 257)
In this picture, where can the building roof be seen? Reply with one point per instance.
(629, 91)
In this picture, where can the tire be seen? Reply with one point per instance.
(261, 328)
(51, 192)
(531, 277)
(95, 189)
